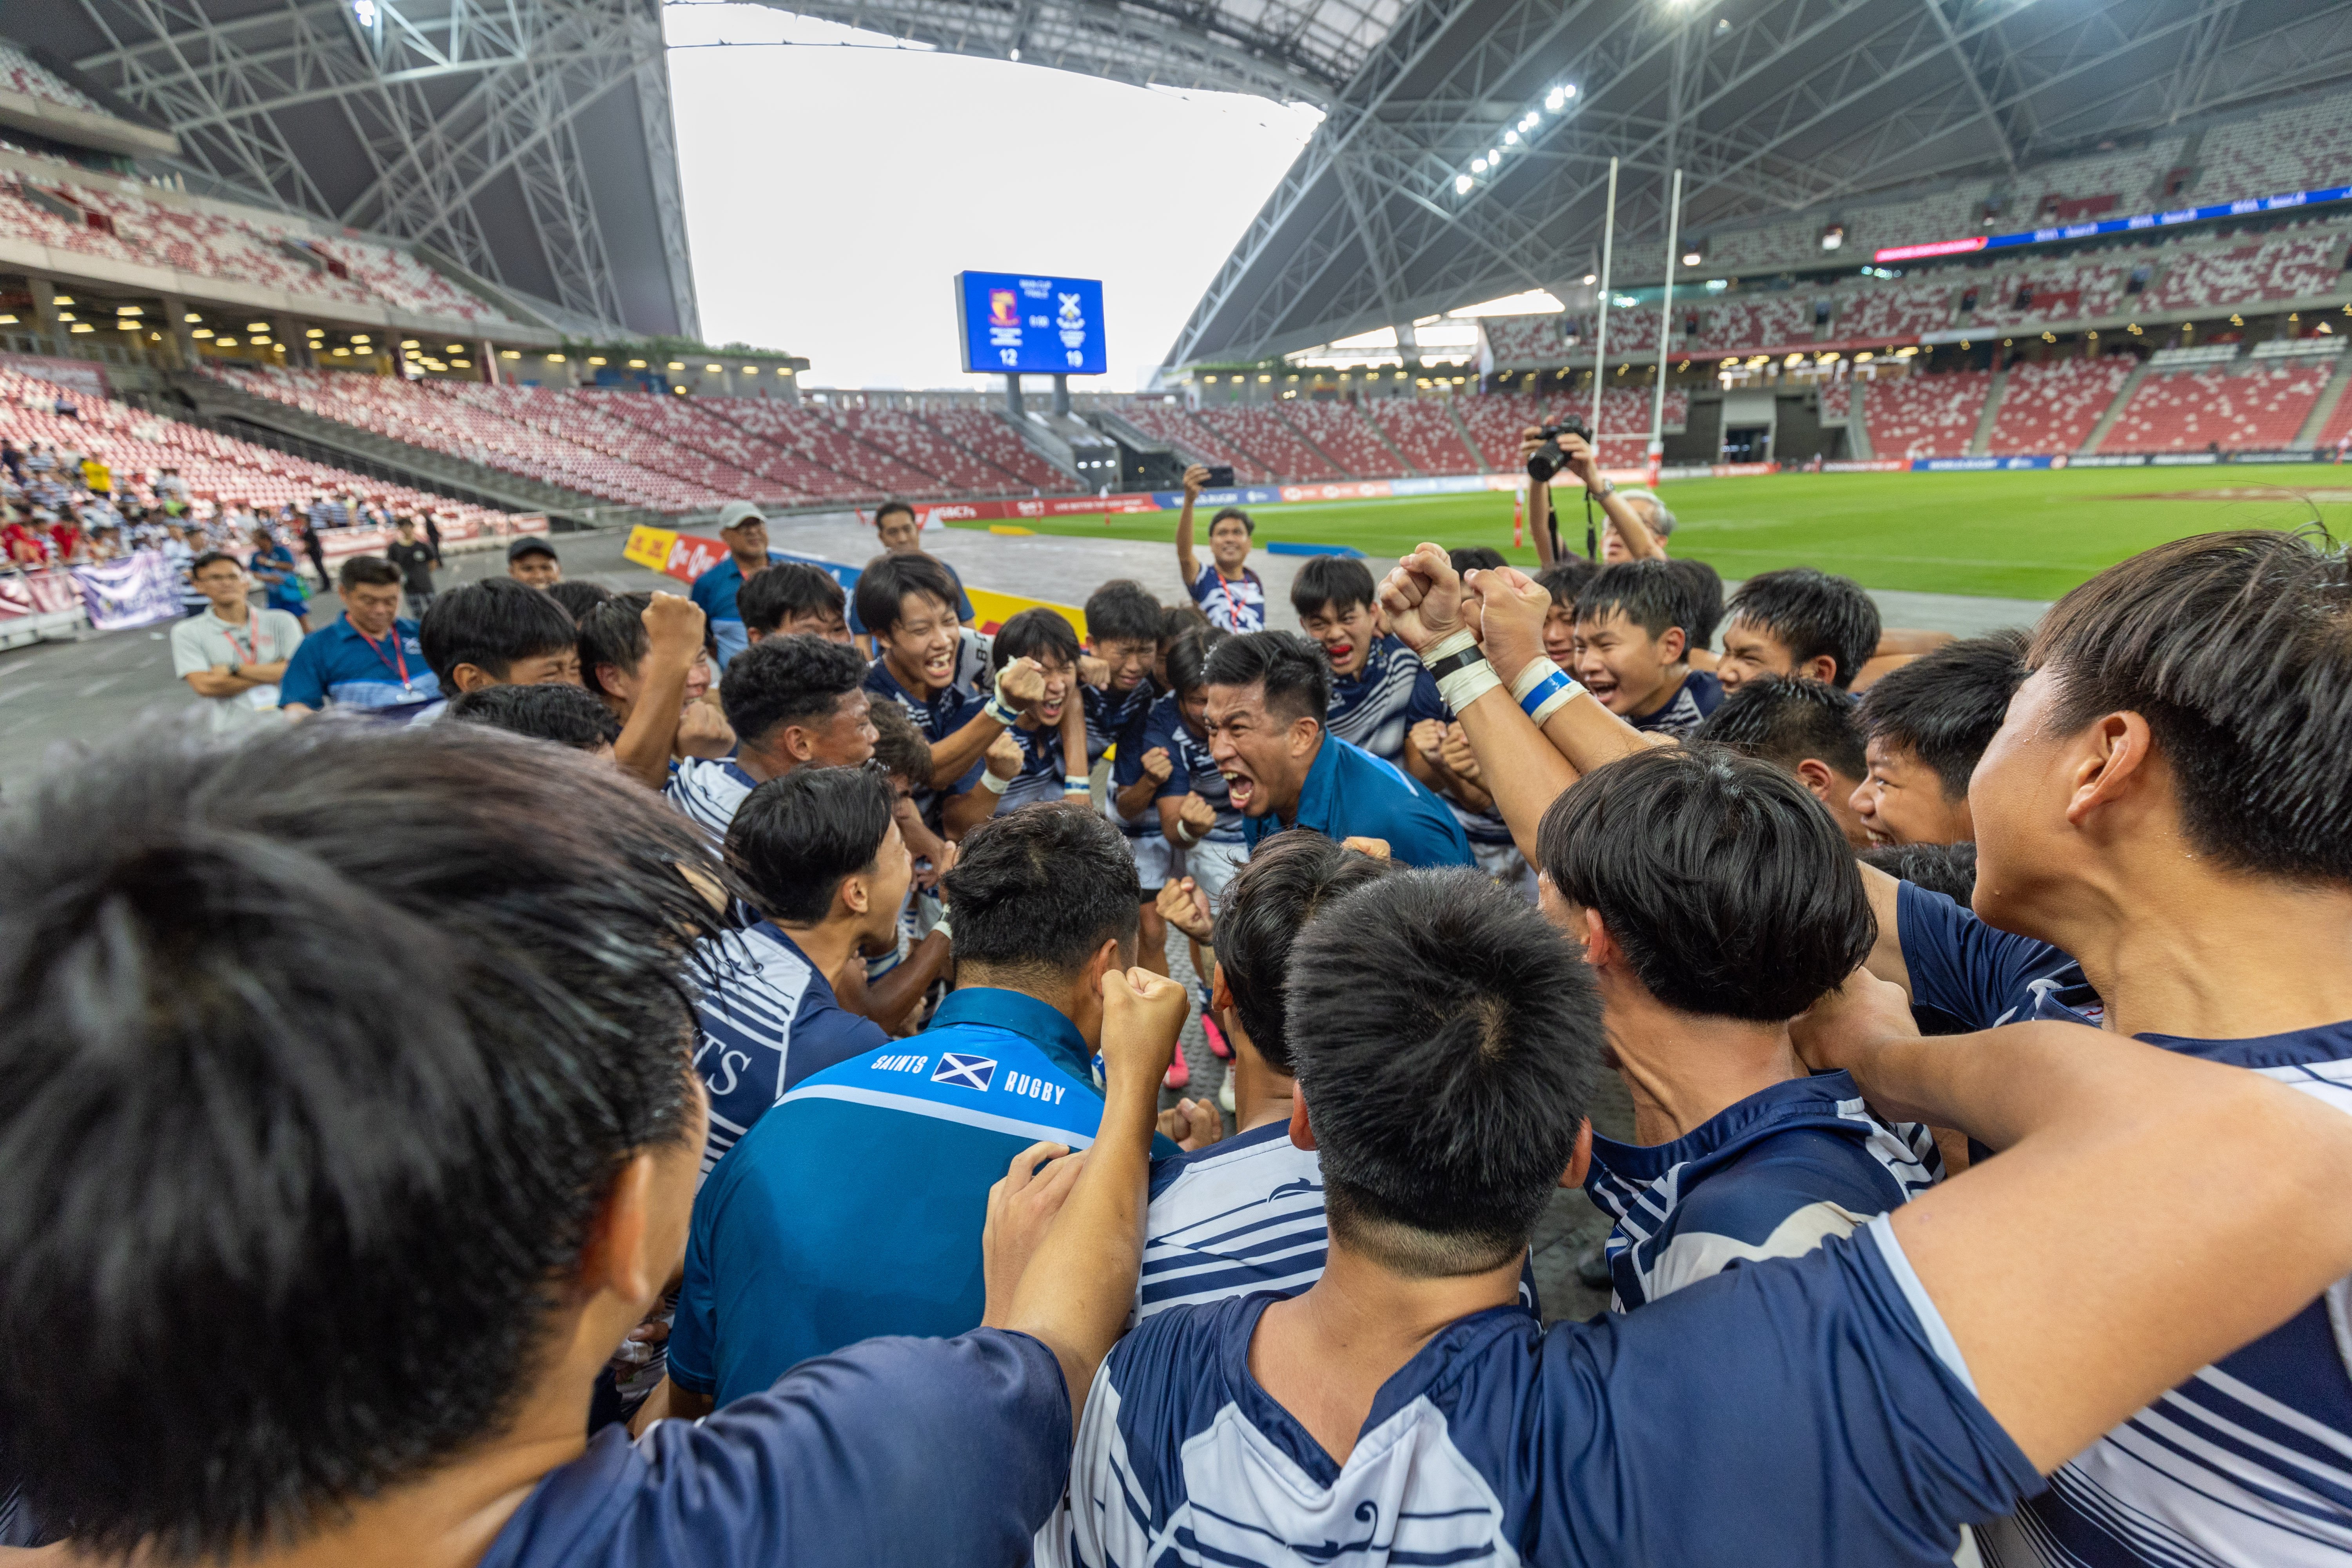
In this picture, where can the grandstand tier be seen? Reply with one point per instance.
(2052, 407)
(1426, 435)
(2221, 409)
(1927, 415)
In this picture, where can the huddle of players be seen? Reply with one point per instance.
(1826, 1354)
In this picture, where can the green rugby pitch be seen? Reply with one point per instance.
(2029, 535)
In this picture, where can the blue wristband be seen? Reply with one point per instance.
(1556, 682)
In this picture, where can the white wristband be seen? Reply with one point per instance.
(1452, 643)
(1537, 671)
(994, 784)
(940, 927)
(997, 708)
(1466, 685)
(1185, 835)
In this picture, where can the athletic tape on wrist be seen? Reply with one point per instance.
(994, 784)
(997, 709)
(1077, 784)
(941, 928)
(1466, 685)
(1550, 696)
(1446, 647)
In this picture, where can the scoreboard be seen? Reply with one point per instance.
(1018, 322)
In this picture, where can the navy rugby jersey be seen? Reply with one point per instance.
(1699, 695)
(938, 717)
(1810, 1412)
(766, 1020)
(1773, 1176)
(709, 790)
(1982, 976)
(1195, 772)
(1376, 707)
(1242, 1215)
(1233, 604)
(1118, 720)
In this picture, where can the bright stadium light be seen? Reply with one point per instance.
(1510, 138)
(1494, 155)
(1477, 165)
(1462, 184)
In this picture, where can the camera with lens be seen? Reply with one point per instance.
(1549, 459)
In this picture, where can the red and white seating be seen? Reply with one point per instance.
(2194, 410)
(1340, 433)
(1526, 343)
(1169, 422)
(1767, 323)
(1896, 312)
(1837, 401)
(19, 72)
(2051, 406)
(2035, 296)
(1424, 433)
(2308, 146)
(1272, 444)
(2282, 267)
(981, 431)
(1496, 419)
(1927, 415)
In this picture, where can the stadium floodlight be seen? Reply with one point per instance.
(360, 338)
(1794, 359)
(1494, 155)
(62, 300)
(128, 311)
(1510, 138)
(1477, 165)
(81, 327)
(636, 364)
(555, 359)
(256, 326)
(202, 332)
(595, 359)
(714, 369)
(1590, 279)
(314, 332)
(454, 349)
(1692, 259)
(1462, 184)
(191, 318)
(675, 365)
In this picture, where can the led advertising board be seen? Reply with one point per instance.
(2250, 205)
(1020, 323)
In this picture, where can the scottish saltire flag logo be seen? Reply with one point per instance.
(963, 1071)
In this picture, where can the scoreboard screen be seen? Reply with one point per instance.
(1019, 322)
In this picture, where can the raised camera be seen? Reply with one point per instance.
(1549, 459)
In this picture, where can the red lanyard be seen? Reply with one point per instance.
(1233, 607)
(249, 653)
(397, 650)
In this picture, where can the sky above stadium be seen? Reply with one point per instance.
(836, 185)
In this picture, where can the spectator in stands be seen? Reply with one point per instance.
(827, 871)
(579, 595)
(854, 1207)
(745, 529)
(12, 459)
(1805, 728)
(794, 702)
(368, 658)
(416, 562)
(895, 524)
(1267, 695)
(499, 632)
(1928, 723)
(648, 656)
(1227, 590)
(567, 714)
(96, 476)
(1798, 622)
(1193, 1250)
(25, 546)
(233, 656)
(531, 561)
(1716, 902)
(1051, 732)
(793, 599)
(1633, 645)
(281, 581)
(517, 1020)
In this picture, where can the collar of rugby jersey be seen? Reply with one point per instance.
(1813, 1099)
(1042, 1025)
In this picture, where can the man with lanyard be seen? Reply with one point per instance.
(1267, 694)
(280, 579)
(233, 656)
(1227, 590)
(854, 1207)
(745, 529)
(368, 658)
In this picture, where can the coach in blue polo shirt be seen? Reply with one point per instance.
(854, 1207)
(1268, 695)
(369, 658)
(745, 529)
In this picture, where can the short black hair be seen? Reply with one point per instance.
(1811, 612)
(194, 1061)
(888, 507)
(209, 558)
(1123, 610)
(785, 589)
(1704, 584)
(1035, 633)
(1731, 890)
(1784, 721)
(490, 625)
(1945, 707)
(614, 632)
(1037, 890)
(371, 570)
(898, 746)
(1288, 879)
(1565, 578)
(578, 594)
(1175, 620)
(556, 711)
(796, 836)
(1651, 595)
(1341, 582)
(1947, 868)
(2236, 647)
(1235, 512)
(1188, 658)
(886, 581)
(1475, 558)
(787, 680)
(1444, 1038)
(1296, 676)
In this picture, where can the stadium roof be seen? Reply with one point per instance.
(528, 141)
(1771, 106)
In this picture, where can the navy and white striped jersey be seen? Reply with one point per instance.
(1807, 1412)
(1772, 1176)
(1376, 707)
(766, 1020)
(1042, 764)
(709, 790)
(1233, 604)
(1196, 771)
(1243, 1215)
(1120, 719)
(1983, 977)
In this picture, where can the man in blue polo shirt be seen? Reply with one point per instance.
(1268, 695)
(854, 1208)
(368, 660)
(745, 529)
(821, 852)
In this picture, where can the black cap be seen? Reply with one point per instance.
(528, 546)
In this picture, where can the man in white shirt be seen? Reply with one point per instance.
(233, 655)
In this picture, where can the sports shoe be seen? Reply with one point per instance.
(1219, 1047)
(1179, 1075)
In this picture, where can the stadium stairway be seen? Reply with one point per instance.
(1469, 441)
(1298, 433)
(1121, 428)
(1404, 464)
(1857, 427)
(1981, 442)
(2114, 410)
(266, 421)
(2331, 397)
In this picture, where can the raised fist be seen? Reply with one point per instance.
(1021, 683)
(1183, 905)
(1196, 813)
(1422, 597)
(1005, 756)
(702, 729)
(1158, 766)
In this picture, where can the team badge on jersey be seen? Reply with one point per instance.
(963, 1071)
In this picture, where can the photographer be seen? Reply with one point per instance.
(1567, 448)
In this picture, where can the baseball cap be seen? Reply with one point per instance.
(529, 546)
(736, 513)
